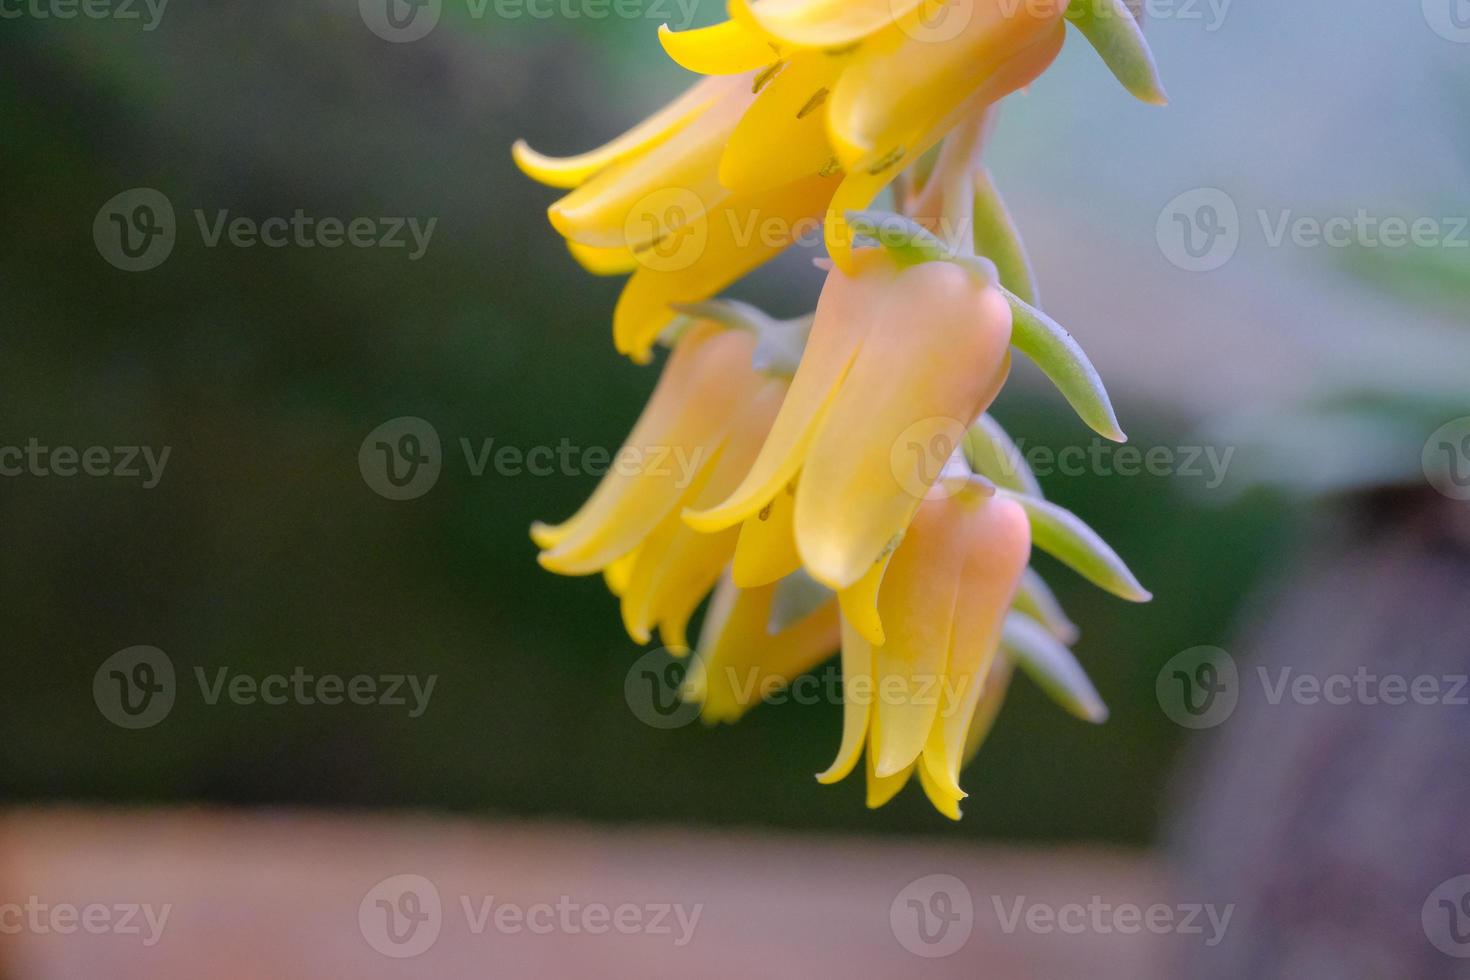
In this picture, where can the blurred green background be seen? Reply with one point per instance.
(262, 549)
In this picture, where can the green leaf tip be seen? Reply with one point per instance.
(1115, 33)
(1062, 360)
(1036, 599)
(1054, 668)
(1066, 537)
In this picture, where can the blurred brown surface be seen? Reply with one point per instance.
(277, 894)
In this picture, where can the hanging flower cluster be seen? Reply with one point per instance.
(848, 487)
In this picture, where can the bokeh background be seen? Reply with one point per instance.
(1321, 371)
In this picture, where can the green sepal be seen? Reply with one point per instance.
(1036, 599)
(1062, 360)
(1115, 33)
(998, 239)
(1053, 667)
(1064, 536)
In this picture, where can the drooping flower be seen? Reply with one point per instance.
(891, 349)
(865, 464)
(704, 424)
(651, 203)
(909, 703)
(865, 86)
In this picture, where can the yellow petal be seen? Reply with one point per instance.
(997, 544)
(650, 478)
(739, 662)
(640, 597)
(857, 697)
(767, 549)
(616, 574)
(874, 147)
(860, 602)
(783, 135)
(881, 789)
(894, 96)
(857, 190)
(841, 323)
(571, 171)
(946, 803)
(729, 48)
(920, 590)
(820, 23)
(643, 199)
(713, 252)
(930, 363)
(603, 261)
(683, 565)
